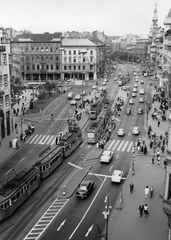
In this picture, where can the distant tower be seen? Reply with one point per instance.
(155, 19)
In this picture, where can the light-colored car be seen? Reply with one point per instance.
(134, 73)
(140, 111)
(121, 132)
(84, 93)
(135, 85)
(135, 131)
(117, 176)
(142, 91)
(73, 102)
(104, 83)
(142, 81)
(134, 90)
(136, 79)
(94, 86)
(134, 94)
(115, 79)
(106, 156)
(141, 100)
(131, 101)
(77, 97)
(145, 74)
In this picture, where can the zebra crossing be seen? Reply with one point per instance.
(42, 139)
(118, 145)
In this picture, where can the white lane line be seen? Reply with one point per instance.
(53, 140)
(9, 171)
(50, 140)
(21, 159)
(120, 145)
(38, 139)
(40, 142)
(111, 168)
(44, 141)
(123, 149)
(30, 138)
(130, 145)
(88, 208)
(116, 144)
(109, 147)
(34, 138)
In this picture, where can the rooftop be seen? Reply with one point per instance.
(67, 42)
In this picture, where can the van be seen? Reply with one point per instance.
(70, 95)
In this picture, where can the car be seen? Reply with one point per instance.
(134, 94)
(70, 95)
(141, 100)
(134, 73)
(131, 101)
(85, 189)
(77, 97)
(134, 90)
(139, 74)
(105, 80)
(142, 91)
(140, 111)
(135, 131)
(121, 132)
(117, 176)
(142, 81)
(128, 111)
(94, 87)
(135, 85)
(83, 93)
(115, 79)
(136, 79)
(104, 83)
(124, 88)
(106, 156)
(145, 74)
(73, 102)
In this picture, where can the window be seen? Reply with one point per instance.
(69, 67)
(74, 67)
(42, 67)
(6, 80)
(47, 49)
(47, 67)
(91, 52)
(51, 49)
(37, 49)
(28, 68)
(69, 52)
(57, 58)
(51, 67)
(70, 59)
(37, 58)
(83, 59)
(79, 67)
(57, 67)
(169, 188)
(74, 52)
(83, 67)
(38, 67)
(47, 58)
(27, 59)
(65, 59)
(51, 58)
(32, 48)
(91, 59)
(42, 49)
(42, 58)
(75, 59)
(65, 67)
(33, 67)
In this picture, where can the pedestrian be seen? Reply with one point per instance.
(158, 123)
(131, 186)
(151, 192)
(158, 153)
(146, 210)
(153, 157)
(97, 144)
(158, 160)
(141, 209)
(145, 150)
(163, 148)
(165, 163)
(147, 191)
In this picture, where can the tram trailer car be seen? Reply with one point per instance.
(16, 191)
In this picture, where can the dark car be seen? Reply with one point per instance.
(85, 189)
(140, 111)
(128, 111)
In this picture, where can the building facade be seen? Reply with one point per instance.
(36, 57)
(79, 58)
(5, 96)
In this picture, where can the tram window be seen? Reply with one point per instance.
(18, 194)
(22, 191)
(6, 204)
(28, 186)
(13, 199)
(44, 168)
(2, 207)
(47, 165)
(35, 178)
(31, 182)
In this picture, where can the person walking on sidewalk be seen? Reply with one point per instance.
(153, 157)
(147, 190)
(163, 148)
(146, 212)
(151, 192)
(131, 186)
(141, 209)
(158, 160)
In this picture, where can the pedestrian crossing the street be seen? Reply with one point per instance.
(118, 145)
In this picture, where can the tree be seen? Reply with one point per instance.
(49, 87)
(42, 95)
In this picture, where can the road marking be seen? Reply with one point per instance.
(130, 145)
(89, 230)
(123, 149)
(21, 159)
(43, 142)
(111, 144)
(120, 145)
(38, 139)
(34, 137)
(53, 141)
(116, 144)
(9, 171)
(110, 168)
(50, 139)
(61, 225)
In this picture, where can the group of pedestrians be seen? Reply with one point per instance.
(141, 146)
(143, 208)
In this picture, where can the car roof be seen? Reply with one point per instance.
(136, 128)
(120, 129)
(107, 151)
(117, 172)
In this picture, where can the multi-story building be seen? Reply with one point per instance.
(5, 97)
(36, 56)
(141, 47)
(79, 58)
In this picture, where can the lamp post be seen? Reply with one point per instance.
(107, 207)
(82, 52)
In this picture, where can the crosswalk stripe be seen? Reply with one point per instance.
(38, 139)
(109, 147)
(41, 141)
(120, 145)
(50, 140)
(30, 138)
(130, 145)
(123, 149)
(53, 140)
(47, 137)
(34, 138)
(116, 144)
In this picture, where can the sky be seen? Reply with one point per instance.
(114, 17)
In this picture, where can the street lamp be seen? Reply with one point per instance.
(107, 207)
(62, 50)
(82, 52)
